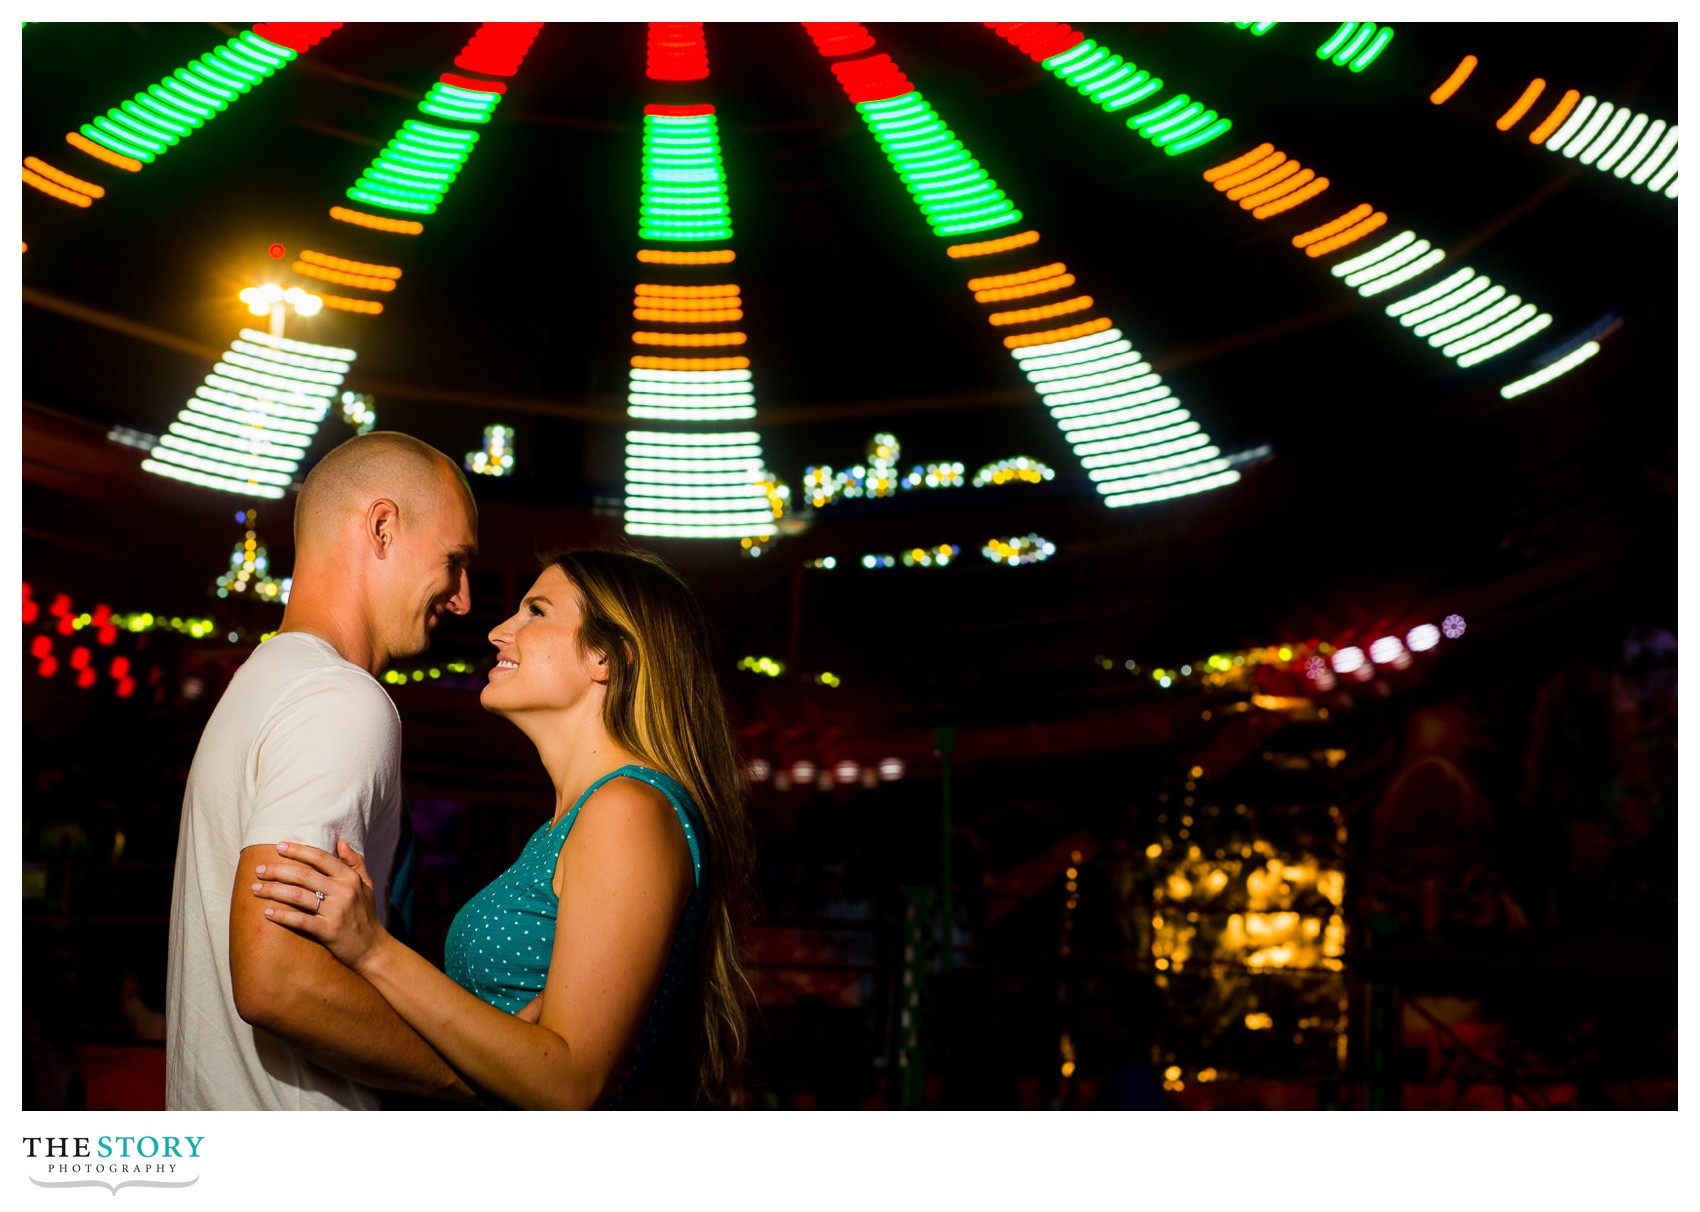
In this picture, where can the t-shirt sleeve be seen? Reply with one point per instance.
(326, 765)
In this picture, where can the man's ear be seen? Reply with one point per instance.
(382, 520)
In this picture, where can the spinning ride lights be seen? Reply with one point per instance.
(136, 132)
(1177, 124)
(250, 422)
(1613, 139)
(1355, 44)
(696, 478)
(1136, 443)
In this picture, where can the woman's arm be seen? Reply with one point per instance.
(623, 876)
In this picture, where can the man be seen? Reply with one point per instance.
(305, 746)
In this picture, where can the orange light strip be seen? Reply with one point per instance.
(1279, 190)
(1266, 165)
(102, 153)
(688, 338)
(1554, 120)
(1461, 73)
(669, 303)
(376, 221)
(1333, 225)
(404, 227)
(651, 362)
(365, 307)
(57, 191)
(1042, 287)
(1030, 314)
(666, 256)
(1349, 236)
(1258, 184)
(986, 247)
(350, 267)
(1514, 115)
(1233, 166)
(729, 315)
(1017, 279)
(64, 178)
(1291, 200)
(653, 290)
(358, 281)
(1056, 334)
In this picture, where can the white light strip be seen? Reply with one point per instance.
(222, 454)
(1122, 384)
(1091, 365)
(259, 406)
(1094, 454)
(1175, 475)
(666, 529)
(703, 479)
(200, 480)
(1088, 441)
(1145, 404)
(1449, 342)
(1398, 278)
(1114, 473)
(1506, 342)
(300, 347)
(1146, 498)
(690, 376)
(744, 494)
(260, 351)
(717, 400)
(292, 386)
(1606, 137)
(1380, 252)
(1666, 145)
(282, 370)
(216, 466)
(1444, 324)
(1029, 354)
(200, 422)
(1640, 153)
(1493, 331)
(1148, 470)
(1548, 373)
(1665, 173)
(659, 412)
(259, 448)
(1623, 145)
(1572, 124)
(249, 419)
(1589, 131)
(1430, 294)
(653, 438)
(1386, 265)
(1083, 357)
(1114, 374)
(1440, 307)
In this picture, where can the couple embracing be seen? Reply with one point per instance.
(600, 970)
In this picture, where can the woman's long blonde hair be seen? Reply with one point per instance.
(664, 705)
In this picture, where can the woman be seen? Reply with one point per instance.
(605, 960)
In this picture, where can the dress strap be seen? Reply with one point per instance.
(684, 807)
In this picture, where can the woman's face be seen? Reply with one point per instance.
(539, 663)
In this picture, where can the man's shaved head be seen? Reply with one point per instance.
(361, 470)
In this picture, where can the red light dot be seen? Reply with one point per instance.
(126, 688)
(48, 667)
(276, 251)
(79, 658)
(66, 626)
(61, 605)
(31, 612)
(120, 667)
(107, 634)
(28, 592)
(85, 679)
(41, 646)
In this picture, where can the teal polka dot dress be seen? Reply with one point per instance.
(499, 944)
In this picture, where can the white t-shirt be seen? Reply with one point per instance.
(304, 746)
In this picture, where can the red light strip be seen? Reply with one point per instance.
(481, 86)
(1039, 40)
(677, 51)
(875, 78)
(834, 38)
(498, 48)
(298, 36)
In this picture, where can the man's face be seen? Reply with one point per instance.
(430, 555)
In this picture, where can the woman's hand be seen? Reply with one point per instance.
(326, 897)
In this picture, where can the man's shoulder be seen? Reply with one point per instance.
(299, 673)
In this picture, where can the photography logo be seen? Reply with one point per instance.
(113, 1162)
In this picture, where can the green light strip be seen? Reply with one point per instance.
(954, 193)
(1355, 45)
(684, 185)
(415, 169)
(162, 115)
(459, 104)
(1113, 83)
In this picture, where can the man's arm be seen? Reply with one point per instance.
(294, 988)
